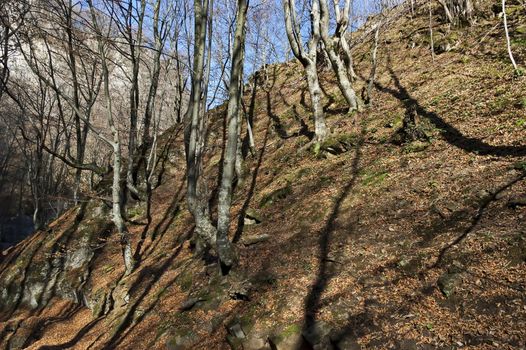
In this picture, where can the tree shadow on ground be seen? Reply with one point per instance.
(251, 191)
(162, 226)
(80, 334)
(366, 322)
(277, 125)
(325, 272)
(146, 280)
(451, 134)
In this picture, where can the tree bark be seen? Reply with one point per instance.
(331, 47)
(307, 59)
(224, 246)
(458, 12)
(194, 135)
(116, 189)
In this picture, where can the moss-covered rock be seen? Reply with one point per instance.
(276, 195)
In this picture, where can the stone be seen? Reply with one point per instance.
(448, 283)
(251, 214)
(181, 341)
(256, 342)
(237, 331)
(292, 341)
(318, 335)
(189, 303)
(253, 239)
(248, 221)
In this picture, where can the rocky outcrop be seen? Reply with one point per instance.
(54, 263)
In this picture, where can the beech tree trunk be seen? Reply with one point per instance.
(332, 46)
(307, 59)
(116, 189)
(195, 135)
(458, 12)
(224, 246)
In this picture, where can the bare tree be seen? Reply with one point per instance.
(308, 58)
(195, 133)
(506, 32)
(224, 247)
(115, 143)
(333, 44)
(458, 12)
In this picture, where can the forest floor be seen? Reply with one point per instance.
(372, 245)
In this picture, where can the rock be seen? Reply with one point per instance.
(448, 283)
(96, 302)
(256, 344)
(519, 201)
(181, 341)
(318, 335)
(248, 221)
(292, 341)
(256, 340)
(253, 217)
(236, 331)
(277, 195)
(253, 239)
(407, 344)
(189, 303)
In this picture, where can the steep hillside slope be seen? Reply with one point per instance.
(364, 243)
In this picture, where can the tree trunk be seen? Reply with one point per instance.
(116, 189)
(374, 65)
(337, 63)
(320, 127)
(508, 43)
(307, 59)
(194, 135)
(224, 246)
(458, 12)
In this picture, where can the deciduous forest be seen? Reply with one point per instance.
(262, 174)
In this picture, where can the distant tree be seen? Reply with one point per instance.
(458, 12)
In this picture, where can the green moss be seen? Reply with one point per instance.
(288, 331)
(136, 211)
(374, 178)
(336, 144)
(519, 166)
(184, 281)
(415, 146)
(519, 42)
(277, 195)
(108, 268)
